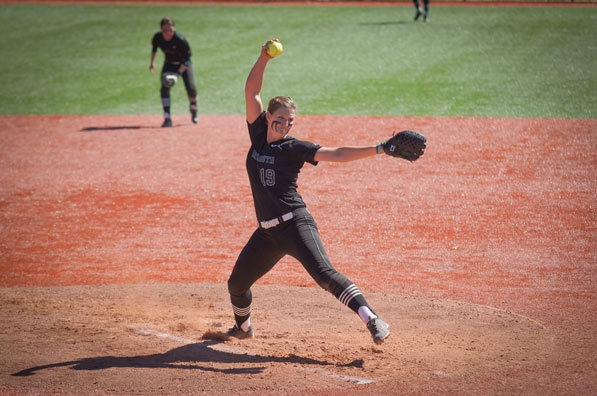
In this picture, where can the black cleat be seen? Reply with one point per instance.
(194, 116)
(237, 332)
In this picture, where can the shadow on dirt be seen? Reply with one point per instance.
(112, 128)
(185, 357)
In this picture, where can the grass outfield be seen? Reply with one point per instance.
(469, 61)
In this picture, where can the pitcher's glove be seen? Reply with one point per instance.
(409, 145)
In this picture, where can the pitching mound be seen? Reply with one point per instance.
(150, 338)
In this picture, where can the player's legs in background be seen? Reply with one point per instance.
(189, 82)
(165, 95)
(419, 10)
(426, 10)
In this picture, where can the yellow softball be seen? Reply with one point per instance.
(274, 48)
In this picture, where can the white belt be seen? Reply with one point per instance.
(274, 222)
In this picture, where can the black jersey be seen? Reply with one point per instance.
(177, 50)
(273, 170)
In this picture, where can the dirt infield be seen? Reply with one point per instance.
(117, 237)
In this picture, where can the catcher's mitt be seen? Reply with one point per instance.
(169, 79)
(409, 145)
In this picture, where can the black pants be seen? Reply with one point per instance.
(425, 5)
(299, 238)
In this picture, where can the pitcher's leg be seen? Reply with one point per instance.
(312, 255)
(257, 257)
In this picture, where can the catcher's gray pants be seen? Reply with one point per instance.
(299, 238)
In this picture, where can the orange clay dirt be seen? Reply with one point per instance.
(117, 238)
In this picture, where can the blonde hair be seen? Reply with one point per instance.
(280, 101)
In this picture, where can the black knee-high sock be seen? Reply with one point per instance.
(241, 306)
(352, 297)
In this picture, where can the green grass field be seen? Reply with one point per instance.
(469, 61)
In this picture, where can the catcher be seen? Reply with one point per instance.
(285, 227)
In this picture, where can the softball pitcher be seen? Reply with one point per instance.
(285, 227)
